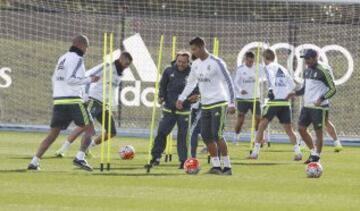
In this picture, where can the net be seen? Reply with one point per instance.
(34, 33)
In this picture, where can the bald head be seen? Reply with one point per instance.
(81, 42)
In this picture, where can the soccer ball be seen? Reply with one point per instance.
(127, 152)
(192, 166)
(313, 170)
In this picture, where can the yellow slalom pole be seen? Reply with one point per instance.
(103, 103)
(173, 50)
(173, 57)
(110, 100)
(216, 46)
(168, 149)
(257, 67)
(156, 96)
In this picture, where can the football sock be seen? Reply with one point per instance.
(256, 148)
(65, 147)
(236, 137)
(93, 144)
(337, 143)
(314, 153)
(80, 155)
(298, 140)
(297, 149)
(35, 161)
(215, 161)
(226, 160)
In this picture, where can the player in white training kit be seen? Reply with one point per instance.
(217, 98)
(280, 84)
(69, 82)
(94, 105)
(244, 81)
(317, 89)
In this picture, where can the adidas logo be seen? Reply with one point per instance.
(144, 66)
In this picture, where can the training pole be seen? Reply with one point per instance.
(257, 67)
(103, 103)
(109, 98)
(156, 96)
(170, 137)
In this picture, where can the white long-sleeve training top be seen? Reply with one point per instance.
(279, 80)
(68, 79)
(213, 78)
(245, 78)
(96, 89)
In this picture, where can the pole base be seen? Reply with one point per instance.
(148, 167)
(108, 166)
(208, 159)
(269, 144)
(166, 158)
(101, 167)
(170, 157)
(250, 152)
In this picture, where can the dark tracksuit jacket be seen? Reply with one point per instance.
(172, 84)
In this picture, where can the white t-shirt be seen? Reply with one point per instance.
(279, 80)
(245, 78)
(215, 83)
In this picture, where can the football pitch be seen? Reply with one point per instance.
(273, 182)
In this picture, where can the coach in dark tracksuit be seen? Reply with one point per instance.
(172, 83)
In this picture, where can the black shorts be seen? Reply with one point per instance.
(313, 116)
(243, 106)
(213, 123)
(63, 115)
(95, 108)
(283, 113)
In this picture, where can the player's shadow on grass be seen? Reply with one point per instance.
(264, 163)
(277, 150)
(13, 171)
(121, 168)
(134, 174)
(30, 157)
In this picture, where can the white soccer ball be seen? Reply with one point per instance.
(314, 170)
(127, 152)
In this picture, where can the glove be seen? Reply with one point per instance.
(271, 95)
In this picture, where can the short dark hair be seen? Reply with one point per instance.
(198, 41)
(250, 55)
(127, 55)
(269, 55)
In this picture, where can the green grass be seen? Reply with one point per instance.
(273, 182)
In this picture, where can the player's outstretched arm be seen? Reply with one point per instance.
(225, 75)
(190, 86)
(75, 67)
(329, 81)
